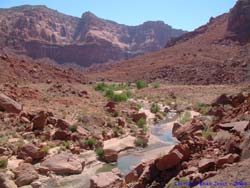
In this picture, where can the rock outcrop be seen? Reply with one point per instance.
(9, 105)
(64, 164)
(42, 32)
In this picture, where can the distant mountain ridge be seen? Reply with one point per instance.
(215, 53)
(38, 31)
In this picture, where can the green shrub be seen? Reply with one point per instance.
(207, 132)
(139, 143)
(156, 85)
(66, 144)
(91, 142)
(106, 168)
(120, 97)
(202, 108)
(73, 128)
(141, 123)
(185, 117)
(155, 108)
(100, 153)
(3, 162)
(101, 87)
(140, 84)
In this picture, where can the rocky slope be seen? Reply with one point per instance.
(38, 31)
(217, 52)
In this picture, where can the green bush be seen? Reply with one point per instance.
(202, 108)
(101, 87)
(141, 123)
(3, 162)
(185, 117)
(91, 142)
(207, 132)
(155, 108)
(73, 128)
(100, 153)
(140, 84)
(139, 143)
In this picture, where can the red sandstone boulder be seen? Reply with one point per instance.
(106, 180)
(30, 150)
(169, 161)
(25, 174)
(136, 117)
(110, 155)
(62, 124)
(39, 121)
(228, 159)
(9, 105)
(64, 164)
(62, 135)
(206, 165)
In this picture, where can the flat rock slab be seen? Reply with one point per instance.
(106, 180)
(9, 105)
(64, 164)
(240, 126)
(120, 144)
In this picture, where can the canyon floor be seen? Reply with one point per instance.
(58, 134)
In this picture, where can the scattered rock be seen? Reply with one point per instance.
(64, 164)
(62, 124)
(39, 121)
(206, 165)
(62, 135)
(30, 150)
(110, 155)
(240, 126)
(138, 116)
(25, 174)
(131, 177)
(228, 159)
(169, 161)
(9, 105)
(5, 182)
(106, 180)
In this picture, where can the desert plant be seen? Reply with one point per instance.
(100, 153)
(91, 142)
(202, 108)
(141, 123)
(73, 128)
(185, 117)
(208, 132)
(155, 108)
(139, 143)
(3, 162)
(140, 84)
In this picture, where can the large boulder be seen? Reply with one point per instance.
(136, 117)
(40, 120)
(227, 159)
(110, 155)
(206, 165)
(240, 126)
(25, 174)
(9, 105)
(5, 181)
(30, 150)
(62, 124)
(169, 161)
(186, 130)
(106, 180)
(64, 164)
(245, 147)
(62, 135)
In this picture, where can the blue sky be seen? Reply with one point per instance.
(181, 14)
